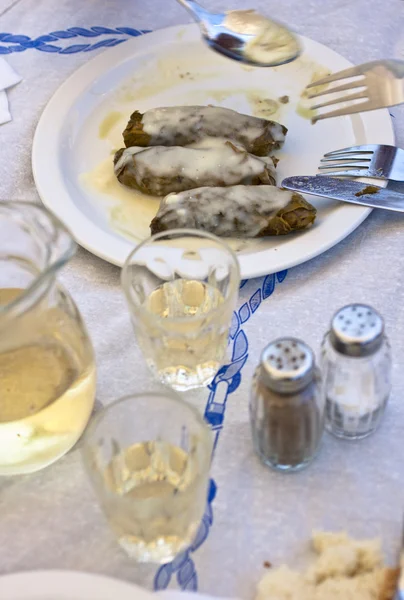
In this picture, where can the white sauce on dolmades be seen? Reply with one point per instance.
(205, 121)
(220, 119)
(216, 209)
(271, 197)
(128, 152)
(222, 161)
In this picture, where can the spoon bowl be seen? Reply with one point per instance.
(245, 36)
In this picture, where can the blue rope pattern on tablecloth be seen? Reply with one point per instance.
(226, 381)
(10, 42)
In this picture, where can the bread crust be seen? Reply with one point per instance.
(390, 583)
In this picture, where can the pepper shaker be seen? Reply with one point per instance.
(356, 364)
(287, 405)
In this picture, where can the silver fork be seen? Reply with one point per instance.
(377, 84)
(373, 160)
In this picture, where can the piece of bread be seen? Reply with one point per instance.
(334, 561)
(321, 540)
(365, 586)
(390, 583)
(281, 584)
(344, 569)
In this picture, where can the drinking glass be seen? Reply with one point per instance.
(148, 457)
(182, 287)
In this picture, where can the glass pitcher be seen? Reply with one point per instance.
(47, 368)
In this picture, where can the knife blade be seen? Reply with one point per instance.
(346, 190)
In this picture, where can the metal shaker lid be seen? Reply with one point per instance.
(287, 365)
(357, 330)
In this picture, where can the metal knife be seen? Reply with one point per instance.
(346, 190)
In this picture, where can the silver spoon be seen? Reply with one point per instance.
(245, 35)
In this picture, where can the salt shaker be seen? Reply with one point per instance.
(356, 364)
(286, 405)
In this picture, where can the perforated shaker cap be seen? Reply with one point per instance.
(287, 365)
(357, 330)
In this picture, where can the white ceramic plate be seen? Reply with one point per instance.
(67, 585)
(82, 125)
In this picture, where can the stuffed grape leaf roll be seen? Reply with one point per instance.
(238, 211)
(160, 170)
(184, 125)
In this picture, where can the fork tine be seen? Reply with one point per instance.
(344, 157)
(365, 148)
(344, 166)
(351, 72)
(340, 88)
(340, 112)
(339, 100)
(348, 173)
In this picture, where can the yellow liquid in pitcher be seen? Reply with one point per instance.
(47, 392)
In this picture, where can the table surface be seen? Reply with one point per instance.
(51, 520)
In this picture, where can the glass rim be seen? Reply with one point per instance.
(169, 395)
(181, 233)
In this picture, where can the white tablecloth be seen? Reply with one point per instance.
(51, 519)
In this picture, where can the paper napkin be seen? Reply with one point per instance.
(8, 78)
